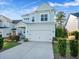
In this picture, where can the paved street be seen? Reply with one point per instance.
(29, 50)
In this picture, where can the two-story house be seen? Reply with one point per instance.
(5, 26)
(40, 24)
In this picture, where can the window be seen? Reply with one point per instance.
(26, 18)
(33, 19)
(44, 17)
(0, 23)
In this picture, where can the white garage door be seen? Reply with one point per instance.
(40, 36)
(41, 32)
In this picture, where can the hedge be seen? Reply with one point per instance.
(74, 48)
(1, 42)
(62, 47)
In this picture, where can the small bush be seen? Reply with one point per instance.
(17, 38)
(26, 40)
(60, 32)
(74, 48)
(62, 47)
(1, 42)
(76, 34)
(54, 39)
(14, 38)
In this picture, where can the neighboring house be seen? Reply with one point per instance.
(5, 26)
(15, 27)
(20, 29)
(40, 25)
(73, 22)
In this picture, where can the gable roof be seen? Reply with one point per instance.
(16, 21)
(5, 18)
(21, 24)
(75, 14)
(42, 7)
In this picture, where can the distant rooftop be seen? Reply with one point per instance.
(16, 21)
(75, 14)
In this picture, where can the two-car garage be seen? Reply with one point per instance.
(41, 32)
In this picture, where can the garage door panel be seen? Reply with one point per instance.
(40, 35)
(40, 27)
(41, 32)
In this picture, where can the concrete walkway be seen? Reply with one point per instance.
(29, 50)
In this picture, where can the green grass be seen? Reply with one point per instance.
(8, 45)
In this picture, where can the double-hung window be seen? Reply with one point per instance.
(44, 17)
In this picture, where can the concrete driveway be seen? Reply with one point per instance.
(29, 50)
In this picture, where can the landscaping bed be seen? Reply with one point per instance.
(68, 55)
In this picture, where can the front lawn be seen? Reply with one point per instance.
(8, 45)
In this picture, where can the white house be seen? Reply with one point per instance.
(40, 24)
(5, 26)
(20, 28)
(73, 22)
(8, 26)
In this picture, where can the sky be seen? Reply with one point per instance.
(13, 9)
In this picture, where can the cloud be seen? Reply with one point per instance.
(71, 4)
(15, 14)
(54, 4)
(5, 2)
(30, 4)
(66, 4)
(77, 1)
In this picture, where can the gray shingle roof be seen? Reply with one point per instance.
(16, 21)
(75, 14)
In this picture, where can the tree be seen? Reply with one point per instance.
(60, 17)
(60, 28)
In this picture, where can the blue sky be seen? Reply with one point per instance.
(15, 8)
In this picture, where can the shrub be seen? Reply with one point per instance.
(26, 40)
(76, 34)
(60, 32)
(54, 39)
(1, 42)
(62, 47)
(16, 38)
(74, 48)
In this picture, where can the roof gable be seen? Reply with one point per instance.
(75, 14)
(21, 24)
(43, 7)
(3, 18)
